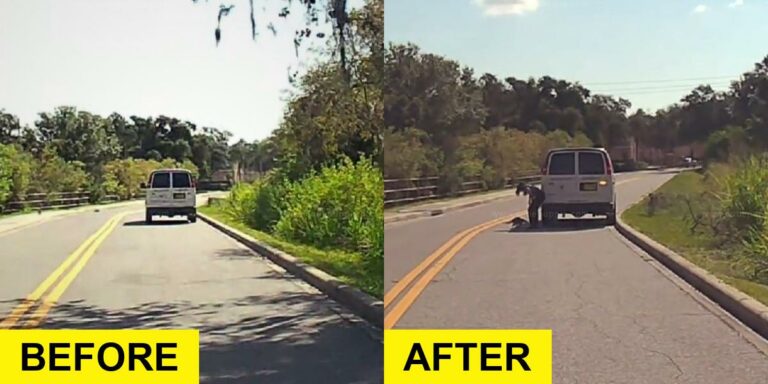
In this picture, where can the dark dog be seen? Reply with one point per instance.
(517, 223)
(535, 200)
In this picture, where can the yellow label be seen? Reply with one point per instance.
(99, 356)
(413, 356)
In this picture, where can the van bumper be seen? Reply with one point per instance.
(171, 211)
(579, 208)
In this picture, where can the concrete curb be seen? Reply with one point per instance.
(748, 310)
(359, 302)
(440, 211)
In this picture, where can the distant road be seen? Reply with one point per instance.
(617, 316)
(257, 323)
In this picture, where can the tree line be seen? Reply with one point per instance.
(733, 121)
(443, 119)
(69, 150)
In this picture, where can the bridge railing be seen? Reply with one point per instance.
(64, 200)
(406, 191)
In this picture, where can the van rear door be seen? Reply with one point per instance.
(595, 182)
(183, 190)
(159, 192)
(560, 182)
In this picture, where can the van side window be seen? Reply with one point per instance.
(181, 180)
(562, 164)
(161, 180)
(591, 163)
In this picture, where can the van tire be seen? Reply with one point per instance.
(148, 218)
(192, 218)
(611, 217)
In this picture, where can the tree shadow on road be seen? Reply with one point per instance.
(296, 340)
(254, 335)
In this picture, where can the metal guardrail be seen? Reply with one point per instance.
(404, 191)
(64, 200)
(207, 185)
(56, 200)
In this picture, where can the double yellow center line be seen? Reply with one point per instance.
(37, 304)
(431, 266)
(428, 269)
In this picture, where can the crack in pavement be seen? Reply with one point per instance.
(643, 330)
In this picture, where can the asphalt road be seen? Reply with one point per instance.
(617, 316)
(257, 323)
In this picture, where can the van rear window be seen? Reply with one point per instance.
(161, 180)
(562, 164)
(591, 163)
(181, 180)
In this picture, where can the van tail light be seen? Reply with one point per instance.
(608, 165)
(545, 167)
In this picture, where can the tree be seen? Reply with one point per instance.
(79, 136)
(333, 116)
(337, 15)
(10, 129)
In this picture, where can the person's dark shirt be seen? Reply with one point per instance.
(535, 193)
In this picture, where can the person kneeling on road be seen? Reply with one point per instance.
(535, 200)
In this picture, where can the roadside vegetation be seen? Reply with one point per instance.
(69, 150)
(332, 219)
(718, 217)
(442, 119)
(323, 201)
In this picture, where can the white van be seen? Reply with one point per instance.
(578, 181)
(171, 192)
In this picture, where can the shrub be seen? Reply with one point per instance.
(241, 202)
(6, 174)
(124, 177)
(259, 204)
(54, 174)
(340, 207)
(271, 197)
(16, 169)
(745, 196)
(745, 205)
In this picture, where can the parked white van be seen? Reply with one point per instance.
(170, 192)
(578, 181)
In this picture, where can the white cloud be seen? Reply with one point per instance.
(507, 7)
(736, 3)
(701, 8)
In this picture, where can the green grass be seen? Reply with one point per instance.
(668, 225)
(346, 266)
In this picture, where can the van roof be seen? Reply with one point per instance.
(575, 149)
(171, 170)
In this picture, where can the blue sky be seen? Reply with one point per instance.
(625, 48)
(147, 57)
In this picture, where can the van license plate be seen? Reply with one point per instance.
(589, 186)
(178, 196)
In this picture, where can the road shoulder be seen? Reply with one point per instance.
(360, 303)
(748, 310)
